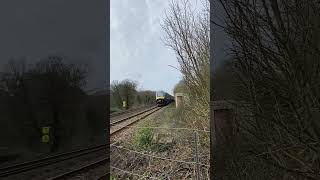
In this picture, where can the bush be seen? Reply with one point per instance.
(143, 138)
(186, 33)
(112, 178)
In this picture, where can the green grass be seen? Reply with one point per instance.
(143, 139)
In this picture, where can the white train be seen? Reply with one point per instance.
(163, 98)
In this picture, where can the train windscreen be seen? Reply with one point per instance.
(160, 93)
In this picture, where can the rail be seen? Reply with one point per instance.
(145, 113)
(82, 168)
(30, 165)
(115, 114)
(131, 116)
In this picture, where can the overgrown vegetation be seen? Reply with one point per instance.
(180, 87)
(126, 90)
(148, 138)
(187, 34)
(112, 178)
(162, 141)
(47, 93)
(143, 139)
(275, 47)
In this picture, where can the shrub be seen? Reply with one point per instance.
(143, 138)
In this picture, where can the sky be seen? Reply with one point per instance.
(77, 29)
(136, 49)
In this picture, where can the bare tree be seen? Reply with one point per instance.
(145, 97)
(47, 86)
(115, 94)
(13, 76)
(124, 91)
(187, 34)
(275, 45)
(180, 87)
(62, 83)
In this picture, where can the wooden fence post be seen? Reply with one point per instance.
(196, 154)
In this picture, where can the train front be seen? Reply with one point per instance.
(160, 98)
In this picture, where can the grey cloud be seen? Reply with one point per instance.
(136, 47)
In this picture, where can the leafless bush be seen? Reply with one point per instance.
(187, 34)
(275, 45)
(180, 87)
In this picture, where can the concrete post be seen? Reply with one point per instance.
(225, 136)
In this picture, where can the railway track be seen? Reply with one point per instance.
(125, 116)
(85, 168)
(115, 114)
(49, 160)
(129, 115)
(116, 126)
(121, 124)
(82, 169)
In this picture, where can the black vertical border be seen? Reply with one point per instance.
(107, 20)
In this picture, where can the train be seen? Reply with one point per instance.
(163, 98)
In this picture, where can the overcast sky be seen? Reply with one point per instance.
(137, 51)
(79, 28)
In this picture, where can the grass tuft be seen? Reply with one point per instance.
(143, 139)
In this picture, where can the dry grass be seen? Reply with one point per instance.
(180, 149)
